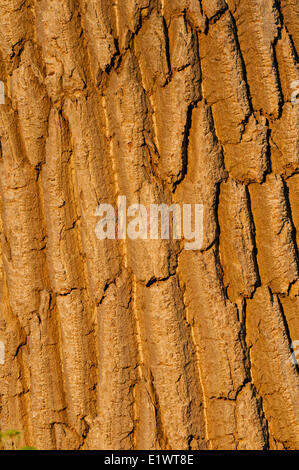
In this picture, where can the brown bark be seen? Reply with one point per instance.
(122, 344)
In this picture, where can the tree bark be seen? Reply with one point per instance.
(140, 344)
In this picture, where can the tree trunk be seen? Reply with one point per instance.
(143, 344)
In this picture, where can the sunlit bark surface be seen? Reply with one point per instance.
(140, 344)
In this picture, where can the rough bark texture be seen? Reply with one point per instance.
(141, 344)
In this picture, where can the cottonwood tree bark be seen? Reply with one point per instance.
(122, 344)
